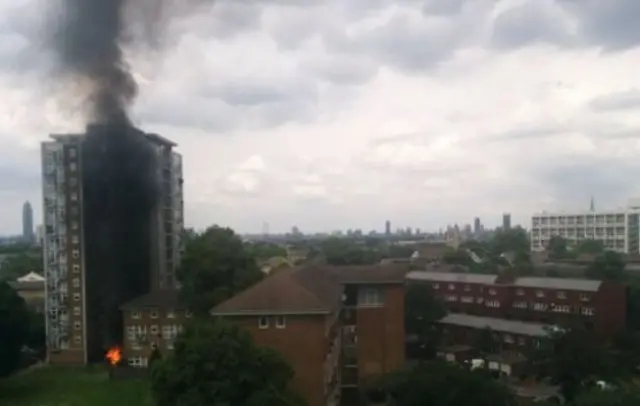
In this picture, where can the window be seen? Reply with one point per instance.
(77, 339)
(436, 286)
(77, 325)
(281, 322)
(451, 298)
(75, 268)
(588, 311)
(75, 253)
(75, 282)
(522, 341)
(466, 299)
(75, 239)
(135, 314)
(520, 305)
(77, 311)
(154, 329)
(74, 210)
(508, 338)
(138, 362)
(169, 345)
(171, 314)
(370, 297)
(452, 286)
(584, 297)
(539, 293)
(493, 292)
(136, 345)
(76, 297)
(561, 294)
(170, 332)
(73, 181)
(561, 309)
(188, 314)
(467, 288)
(540, 306)
(493, 303)
(480, 300)
(73, 152)
(74, 196)
(131, 333)
(520, 292)
(74, 225)
(73, 167)
(263, 322)
(154, 314)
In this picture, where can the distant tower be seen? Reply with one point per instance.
(592, 205)
(27, 221)
(387, 227)
(476, 225)
(265, 229)
(506, 221)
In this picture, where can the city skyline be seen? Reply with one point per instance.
(288, 117)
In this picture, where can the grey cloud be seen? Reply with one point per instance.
(342, 69)
(626, 100)
(406, 45)
(18, 180)
(612, 25)
(533, 22)
(610, 181)
(527, 133)
(234, 105)
(443, 7)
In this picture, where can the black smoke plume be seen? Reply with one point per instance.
(120, 188)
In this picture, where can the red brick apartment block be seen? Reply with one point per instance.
(336, 326)
(600, 306)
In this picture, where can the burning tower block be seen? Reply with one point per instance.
(113, 216)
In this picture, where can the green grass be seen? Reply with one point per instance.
(66, 386)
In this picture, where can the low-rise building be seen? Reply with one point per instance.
(149, 322)
(336, 326)
(31, 288)
(599, 306)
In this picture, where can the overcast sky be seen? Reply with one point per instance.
(343, 114)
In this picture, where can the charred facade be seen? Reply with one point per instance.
(113, 216)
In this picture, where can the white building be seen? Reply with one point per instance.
(618, 230)
(68, 312)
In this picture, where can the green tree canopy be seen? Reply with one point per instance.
(265, 250)
(512, 240)
(558, 248)
(627, 395)
(216, 363)
(608, 265)
(439, 383)
(590, 247)
(572, 358)
(14, 329)
(422, 310)
(343, 251)
(21, 263)
(214, 267)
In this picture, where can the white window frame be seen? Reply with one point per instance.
(76, 297)
(263, 323)
(171, 314)
(154, 314)
(281, 322)
(135, 314)
(75, 268)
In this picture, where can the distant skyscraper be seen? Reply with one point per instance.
(506, 221)
(387, 227)
(27, 221)
(476, 225)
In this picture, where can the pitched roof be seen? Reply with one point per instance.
(495, 324)
(27, 286)
(452, 277)
(310, 289)
(164, 299)
(558, 283)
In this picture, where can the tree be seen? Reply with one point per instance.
(14, 329)
(217, 363)
(20, 264)
(262, 250)
(457, 257)
(214, 267)
(422, 310)
(342, 251)
(608, 265)
(557, 247)
(439, 383)
(512, 240)
(628, 395)
(590, 247)
(571, 359)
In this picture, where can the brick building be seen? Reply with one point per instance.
(151, 321)
(336, 326)
(600, 306)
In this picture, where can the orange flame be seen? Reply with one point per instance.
(114, 355)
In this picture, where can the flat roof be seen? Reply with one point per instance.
(495, 324)
(558, 283)
(160, 139)
(452, 277)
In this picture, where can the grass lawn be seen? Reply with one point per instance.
(66, 386)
